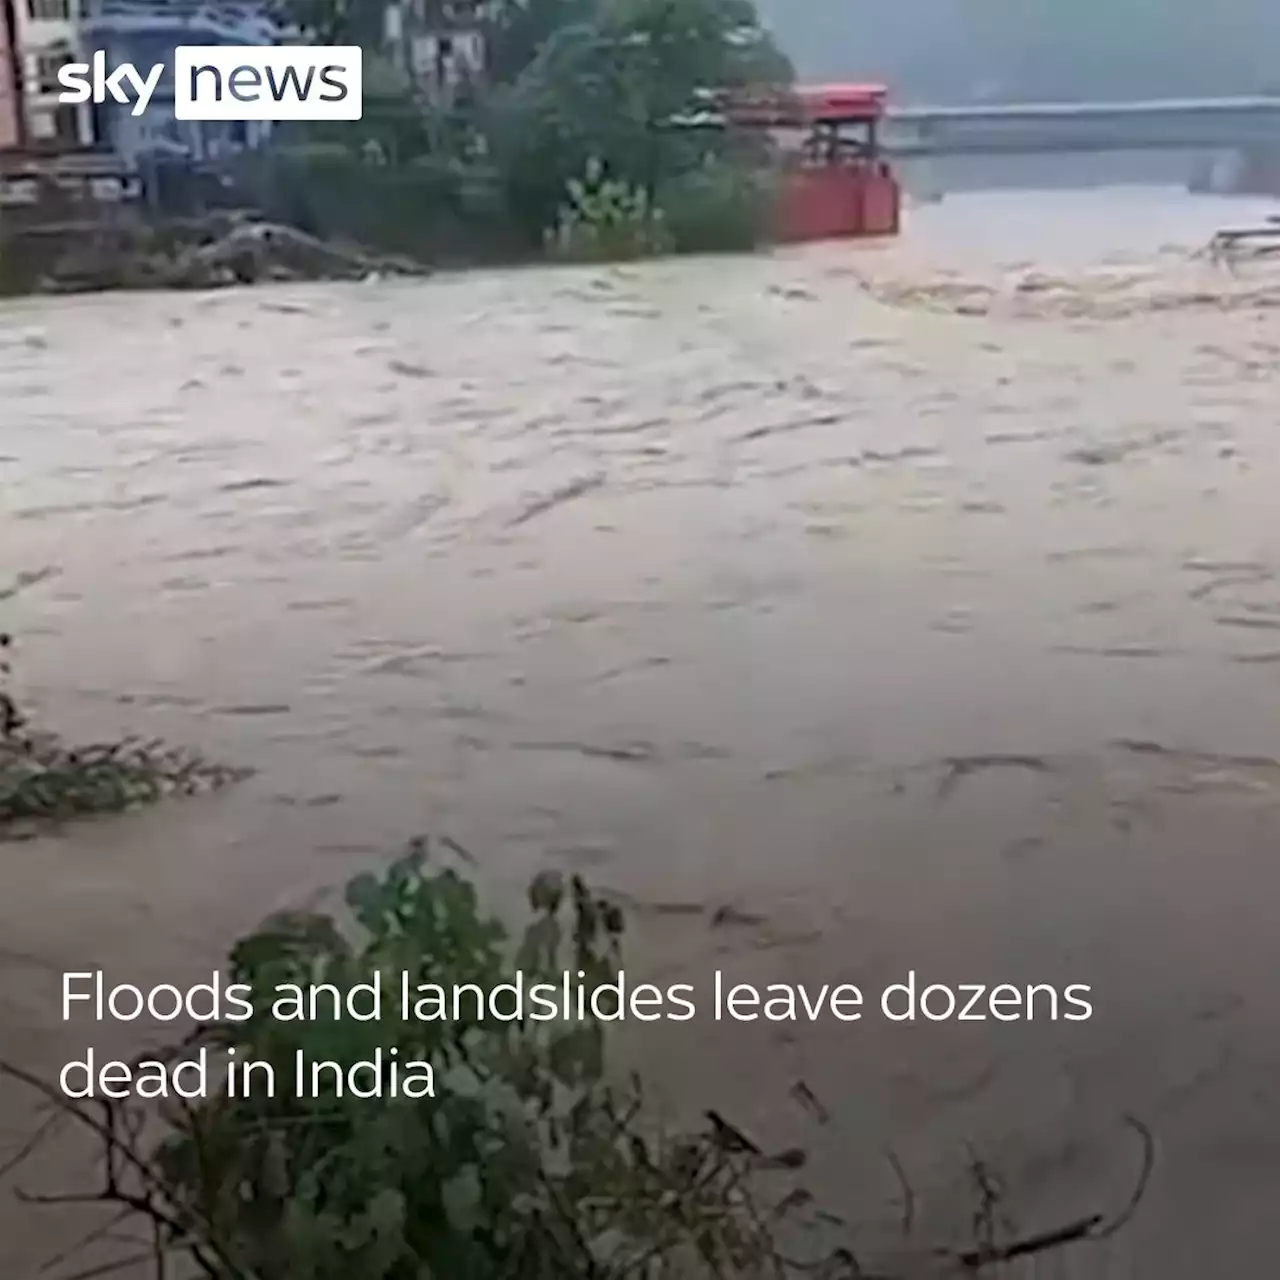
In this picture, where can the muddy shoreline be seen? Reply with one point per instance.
(219, 251)
(838, 631)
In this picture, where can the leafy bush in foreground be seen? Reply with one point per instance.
(527, 1164)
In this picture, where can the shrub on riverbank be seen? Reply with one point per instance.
(44, 779)
(719, 206)
(437, 210)
(459, 213)
(604, 219)
(716, 207)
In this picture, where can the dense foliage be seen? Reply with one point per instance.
(526, 1164)
(571, 87)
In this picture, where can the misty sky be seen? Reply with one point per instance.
(958, 50)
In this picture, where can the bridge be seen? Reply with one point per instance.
(1176, 124)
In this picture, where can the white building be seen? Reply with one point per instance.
(147, 33)
(47, 36)
(438, 59)
(50, 33)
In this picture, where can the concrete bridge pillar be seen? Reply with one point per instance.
(921, 179)
(1227, 171)
(1238, 171)
(920, 175)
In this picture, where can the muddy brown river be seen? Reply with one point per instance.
(844, 612)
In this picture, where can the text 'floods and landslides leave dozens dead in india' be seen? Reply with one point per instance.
(87, 996)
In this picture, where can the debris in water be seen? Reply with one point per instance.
(730, 915)
(557, 497)
(961, 767)
(28, 578)
(1209, 759)
(1257, 624)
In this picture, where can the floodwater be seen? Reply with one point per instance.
(845, 612)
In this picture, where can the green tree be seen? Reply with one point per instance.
(336, 21)
(518, 29)
(606, 89)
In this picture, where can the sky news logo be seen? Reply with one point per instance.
(230, 82)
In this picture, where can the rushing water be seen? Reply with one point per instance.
(845, 611)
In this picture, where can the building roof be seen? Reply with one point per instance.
(836, 99)
(805, 104)
(249, 23)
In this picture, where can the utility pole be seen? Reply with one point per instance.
(13, 71)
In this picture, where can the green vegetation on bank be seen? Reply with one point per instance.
(564, 144)
(527, 1163)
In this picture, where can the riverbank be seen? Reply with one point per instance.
(837, 634)
(216, 251)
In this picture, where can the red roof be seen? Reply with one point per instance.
(842, 99)
(808, 103)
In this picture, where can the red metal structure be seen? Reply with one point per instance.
(835, 183)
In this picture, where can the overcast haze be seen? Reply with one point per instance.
(960, 50)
